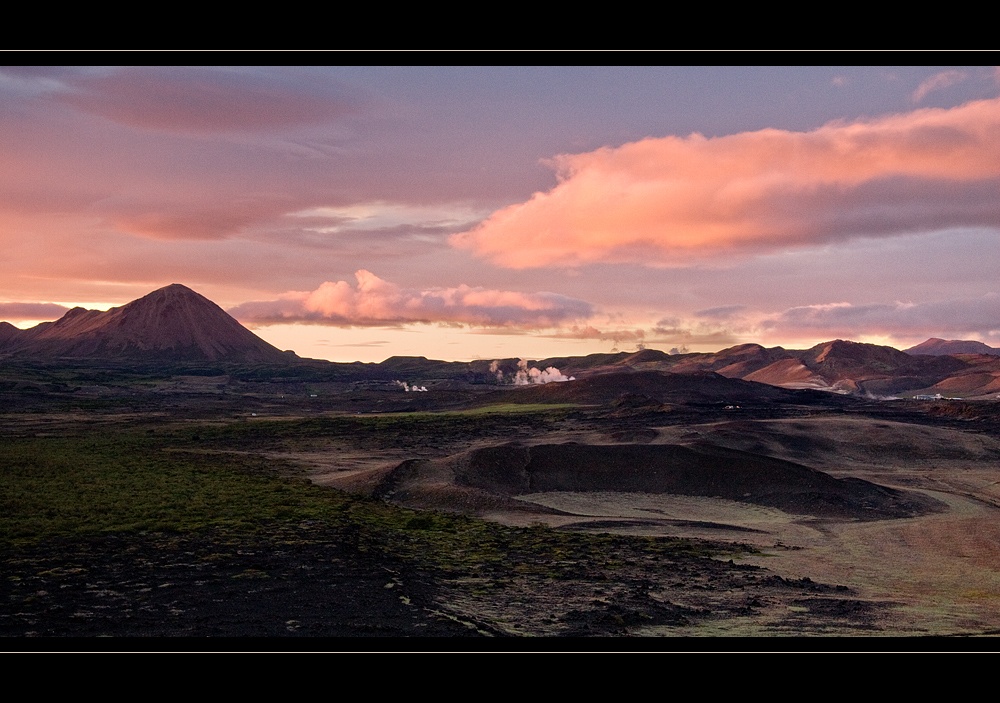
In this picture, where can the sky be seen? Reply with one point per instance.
(494, 212)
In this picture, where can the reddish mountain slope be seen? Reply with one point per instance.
(734, 362)
(172, 323)
(837, 365)
(788, 373)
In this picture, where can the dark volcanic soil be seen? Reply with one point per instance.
(303, 581)
(309, 580)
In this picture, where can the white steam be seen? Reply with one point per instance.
(409, 388)
(526, 376)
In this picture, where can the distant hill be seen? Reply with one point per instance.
(171, 324)
(939, 347)
(657, 386)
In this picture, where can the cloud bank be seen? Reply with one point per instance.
(376, 302)
(674, 201)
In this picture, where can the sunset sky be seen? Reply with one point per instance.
(459, 213)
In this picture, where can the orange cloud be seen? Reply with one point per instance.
(671, 201)
(376, 302)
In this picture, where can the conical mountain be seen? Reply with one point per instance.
(171, 324)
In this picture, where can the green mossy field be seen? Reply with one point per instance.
(129, 482)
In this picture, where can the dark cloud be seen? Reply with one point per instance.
(590, 332)
(720, 313)
(31, 311)
(697, 335)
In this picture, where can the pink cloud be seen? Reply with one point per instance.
(201, 100)
(672, 201)
(191, 220)
(376, 302)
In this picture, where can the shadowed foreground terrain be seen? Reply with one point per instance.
(221, 501)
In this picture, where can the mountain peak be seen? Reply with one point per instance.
(174, 289)
(171, 323)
